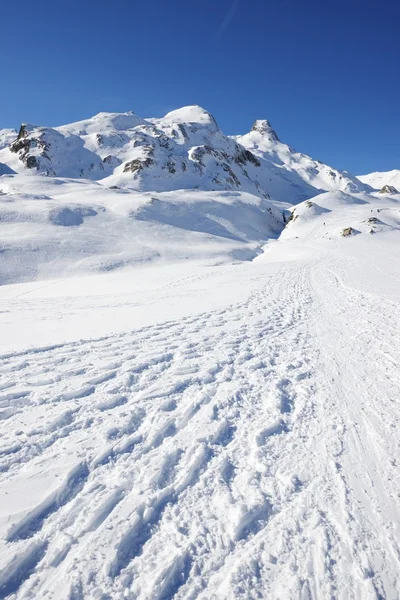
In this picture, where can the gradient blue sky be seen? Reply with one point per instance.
(325, 73)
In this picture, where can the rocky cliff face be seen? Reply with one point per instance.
(183, 150)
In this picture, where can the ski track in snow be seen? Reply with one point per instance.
(248, 452)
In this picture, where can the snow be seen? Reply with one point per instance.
(299, 169)
(197, 400)
(60, 227)
(185, 149)
(189, 114)
(379, 179)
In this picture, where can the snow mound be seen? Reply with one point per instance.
(64, 227)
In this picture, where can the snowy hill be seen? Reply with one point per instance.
(66, 227)
(380, 179)
(330, 214)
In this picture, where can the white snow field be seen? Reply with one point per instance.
(379, 179)
(197, 401)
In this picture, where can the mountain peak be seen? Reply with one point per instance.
(264, 127)
(191, 114)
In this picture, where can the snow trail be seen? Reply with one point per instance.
(246, 452)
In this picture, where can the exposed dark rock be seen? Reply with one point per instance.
(347, 231)
(232, 179)
(23, 144)
(164, 142)
(20, 144)
(31, 162)
(201, 151)
(374, 220)
(113, 161)
(388, 189)
(183, 131)
(170, 165)
(23, 132)
(264, 127)
(137, 165)
(244, 156)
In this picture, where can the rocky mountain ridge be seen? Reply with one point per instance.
(183, 150)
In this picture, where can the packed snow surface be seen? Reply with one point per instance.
(198, 385)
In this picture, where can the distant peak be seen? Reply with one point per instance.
(264, 127)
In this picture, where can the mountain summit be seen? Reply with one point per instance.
(264, 127)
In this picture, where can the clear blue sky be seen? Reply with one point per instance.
(325, 73)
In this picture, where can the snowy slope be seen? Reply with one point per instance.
(237, 439)
(301, 172)
(379, 179)
(7, 136)
(330, 214)
(52, 227)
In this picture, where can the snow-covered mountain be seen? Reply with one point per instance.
(380, 179)
(116, 190)
(183, 150)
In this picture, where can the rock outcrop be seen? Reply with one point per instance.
(388, 189)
